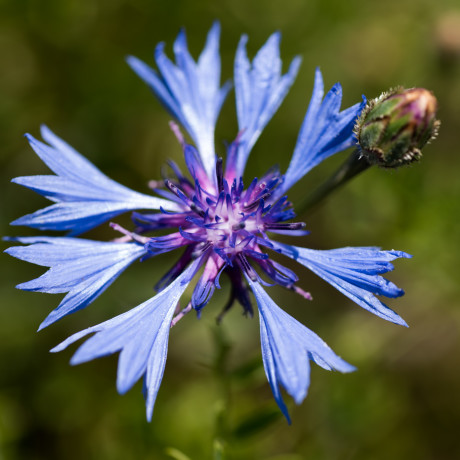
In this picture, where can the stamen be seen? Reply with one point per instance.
(198, 189)
(196, 221)
(254, 204)
(153, 184)
(220, 203)
(180, 315)
(243, 243)
(288, 273)
(197, 237)
(231, 223)
(300, 291)
(240, 186)
(176, 171)
(233, 189)
(220, 174)
(171, 213)
(205, 287)
(273, 183)
(130, 235)
(177, 132)
(232, 239)
(167, 194)
(223, 255)
(290, 226)
(266, 242)
(226, 187)
(238, 226)
(265, 210)
(256, 254)
(176, 190)
(122, 239)
(277, 273)
(228, 200)
(247, 267)
(171, 241)
(200, 249)
(217, 279)
(198, 206)
(183, 197)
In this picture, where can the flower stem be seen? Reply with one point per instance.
(352, 166)
(222, 348)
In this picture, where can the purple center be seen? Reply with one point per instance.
(226, 224)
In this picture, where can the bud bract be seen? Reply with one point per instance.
(394, 127)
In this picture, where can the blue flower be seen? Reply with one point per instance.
(219, 224)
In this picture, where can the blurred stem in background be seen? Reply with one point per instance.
(229, 433)
(222, 349)
(219, 367)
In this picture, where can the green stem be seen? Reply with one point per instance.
(222, 348)
(354, 165)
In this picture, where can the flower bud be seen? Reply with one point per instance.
(395, 126)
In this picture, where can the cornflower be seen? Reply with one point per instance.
(220, 225)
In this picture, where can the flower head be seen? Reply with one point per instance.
(394, 127)
(219, 223)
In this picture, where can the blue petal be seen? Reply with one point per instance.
(355, 273)
(190, 90)
(286, 347)
(259, 89)
(271, 371)
(140, 335)
(82, 268)
(324, 132)
(83, 196)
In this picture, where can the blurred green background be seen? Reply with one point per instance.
(63, 65)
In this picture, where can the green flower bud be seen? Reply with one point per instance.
(394, 127)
